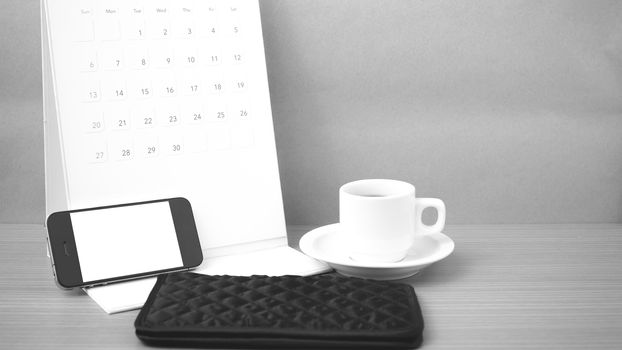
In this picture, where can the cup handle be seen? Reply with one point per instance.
(421, 204)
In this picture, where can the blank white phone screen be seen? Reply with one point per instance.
(124, 241)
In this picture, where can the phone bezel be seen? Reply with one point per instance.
(67, 266)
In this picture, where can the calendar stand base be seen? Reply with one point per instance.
(275, 261)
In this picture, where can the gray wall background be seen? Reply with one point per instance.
(510, 111)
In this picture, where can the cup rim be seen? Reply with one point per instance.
(398, 189)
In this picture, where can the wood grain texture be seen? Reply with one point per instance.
(504, 287)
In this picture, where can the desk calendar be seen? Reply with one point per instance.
(158, 99)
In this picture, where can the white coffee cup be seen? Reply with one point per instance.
(380, 219)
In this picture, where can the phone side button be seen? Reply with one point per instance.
(47, 247)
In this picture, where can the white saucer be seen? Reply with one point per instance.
(326, 245)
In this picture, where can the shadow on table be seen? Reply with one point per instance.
(450, 269)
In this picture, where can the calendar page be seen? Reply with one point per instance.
(158, 99)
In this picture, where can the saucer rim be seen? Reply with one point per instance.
(445, 243)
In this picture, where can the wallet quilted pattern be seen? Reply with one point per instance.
(323, 310)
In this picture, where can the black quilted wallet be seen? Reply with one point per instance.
(322, 311)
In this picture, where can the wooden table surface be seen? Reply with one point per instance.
(504, 287)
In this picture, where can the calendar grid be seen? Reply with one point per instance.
(158, 66)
